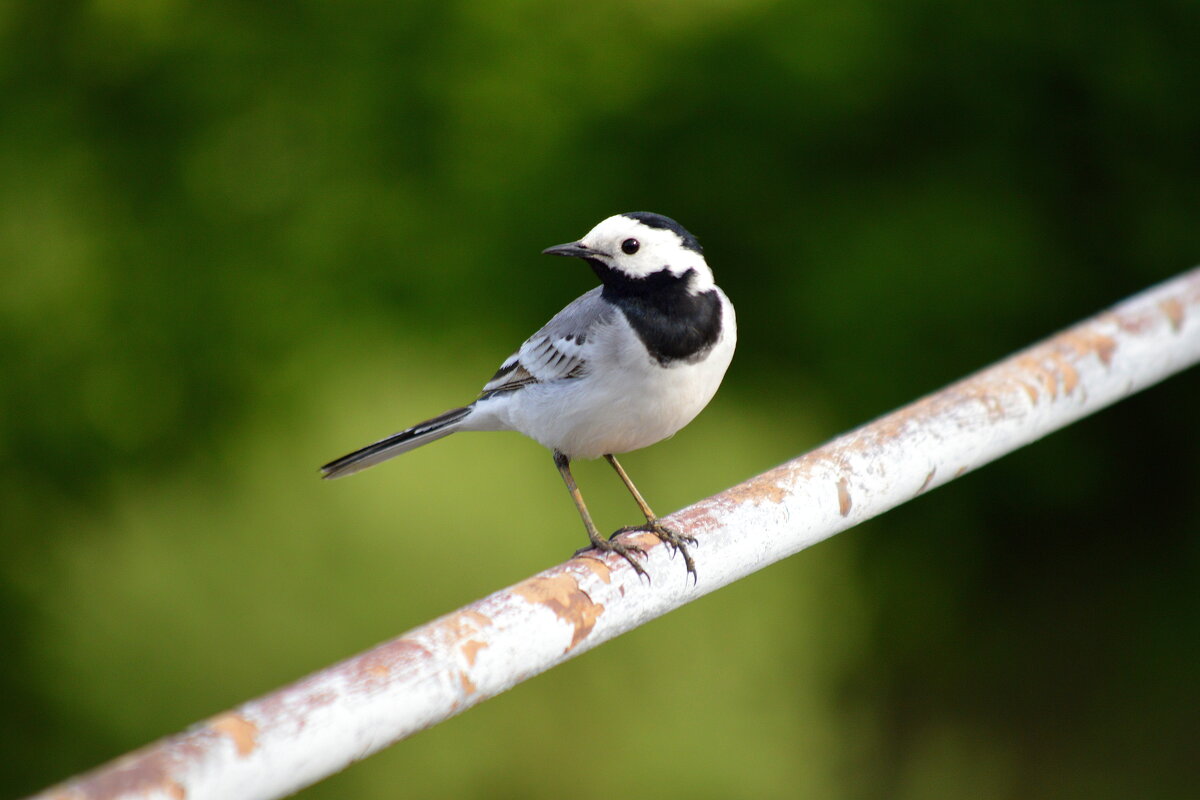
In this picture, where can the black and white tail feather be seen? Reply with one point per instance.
(625, 365)
(428, 431)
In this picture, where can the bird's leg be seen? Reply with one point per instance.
(626, 551)
(668, 536)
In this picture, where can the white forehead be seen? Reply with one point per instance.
(618, 228)
(658, 248)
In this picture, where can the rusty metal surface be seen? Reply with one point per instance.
(277, 744)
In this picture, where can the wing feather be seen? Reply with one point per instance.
(556, 352)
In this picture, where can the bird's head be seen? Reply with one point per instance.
(638, 250)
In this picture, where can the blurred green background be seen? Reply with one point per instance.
(239, 239)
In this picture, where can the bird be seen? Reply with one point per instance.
(624, 366)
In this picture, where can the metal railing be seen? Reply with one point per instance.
(293, 737)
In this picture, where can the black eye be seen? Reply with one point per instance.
(630, 246)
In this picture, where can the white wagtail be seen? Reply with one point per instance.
(622, 367)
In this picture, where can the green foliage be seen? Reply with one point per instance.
(239, 238)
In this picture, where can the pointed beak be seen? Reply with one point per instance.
(571, 250)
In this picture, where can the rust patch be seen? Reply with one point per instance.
(1066, 370)
(376, 670)
(844, 501)
(1050, 368)
(482, 620)
(1043, 377)
(465, 623)
(764, 488)
(242, 731)
(369, 668)
(1175, 312)
(599, 568)
(1082, 342)
(1105, 346)
(1030, 390)
(643, 539)
(928, 480)
(562, 595)
(1135, 323)
(320, 698)
(467, 684)
(471, 648)
(700, 515)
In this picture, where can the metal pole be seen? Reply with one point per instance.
(293, 737)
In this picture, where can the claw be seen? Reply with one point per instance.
(678, 542)
(625, 551)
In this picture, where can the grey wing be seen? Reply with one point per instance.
(555, 352)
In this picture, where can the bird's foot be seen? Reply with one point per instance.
(624, 550)
(678, 542)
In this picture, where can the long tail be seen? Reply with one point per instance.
(424, 433)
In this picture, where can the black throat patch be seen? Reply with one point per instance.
(673, 324)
